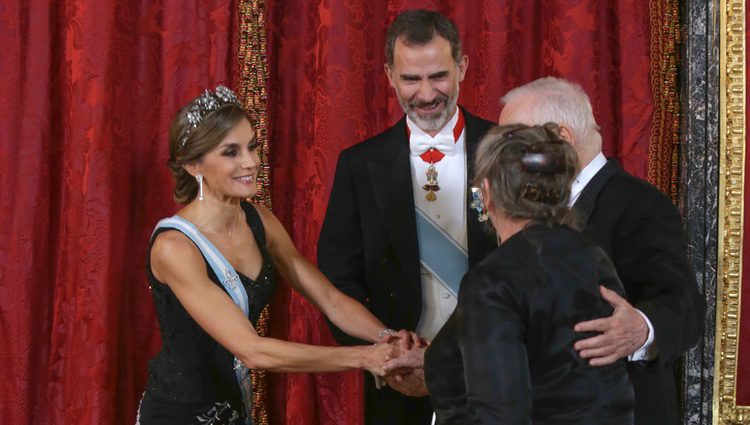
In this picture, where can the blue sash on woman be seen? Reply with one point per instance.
(231, 282)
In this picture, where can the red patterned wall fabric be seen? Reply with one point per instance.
(87, 88)
(328, 91)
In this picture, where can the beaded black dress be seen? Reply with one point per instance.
(191, 380)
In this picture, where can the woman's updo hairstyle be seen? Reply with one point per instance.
(529, 169)
(196, 129)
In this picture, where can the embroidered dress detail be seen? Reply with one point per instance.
(219, 414)
(230, 281)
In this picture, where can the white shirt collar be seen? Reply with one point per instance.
(585, 176)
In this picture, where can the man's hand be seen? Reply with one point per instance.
(405, 340)
(409, 359)
(405, 374)
(409, 383)
(622, 334)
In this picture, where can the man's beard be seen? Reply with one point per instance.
(431, 122)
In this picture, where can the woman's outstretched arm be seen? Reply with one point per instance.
(345, 312)
(176, 261)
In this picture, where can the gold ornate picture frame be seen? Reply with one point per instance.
(732, 358)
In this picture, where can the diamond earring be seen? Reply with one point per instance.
(199, 177)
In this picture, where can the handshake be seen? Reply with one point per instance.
(399, 362)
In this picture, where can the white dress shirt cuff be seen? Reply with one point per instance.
(648, 349)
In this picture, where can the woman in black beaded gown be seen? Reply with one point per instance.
(206, 337)
(506, 354)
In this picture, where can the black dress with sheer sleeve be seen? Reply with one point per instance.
(191, 380)
(506, 354)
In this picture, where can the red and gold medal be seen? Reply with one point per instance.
(431, 156)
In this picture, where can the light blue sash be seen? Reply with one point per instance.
(440, 254)
(230, 280)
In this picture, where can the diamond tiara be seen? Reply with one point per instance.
(208, 102)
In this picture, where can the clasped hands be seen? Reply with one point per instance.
(617, 336)
(402, 366)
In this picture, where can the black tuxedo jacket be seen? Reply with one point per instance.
(368, 244)
(641, 230)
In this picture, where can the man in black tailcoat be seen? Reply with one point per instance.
(392, 190)
(641, 231)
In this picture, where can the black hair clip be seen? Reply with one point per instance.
(538, 161)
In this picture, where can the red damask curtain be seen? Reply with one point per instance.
(88, 88)
(328, 91)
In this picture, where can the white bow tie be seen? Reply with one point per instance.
(420, 143)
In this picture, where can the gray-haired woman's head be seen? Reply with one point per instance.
(527, 171)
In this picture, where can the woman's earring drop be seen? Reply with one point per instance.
(199, 177)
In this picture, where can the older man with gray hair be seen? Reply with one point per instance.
(641, 230)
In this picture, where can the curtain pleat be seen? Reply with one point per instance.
(88, 88)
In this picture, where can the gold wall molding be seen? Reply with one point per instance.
(731, 196)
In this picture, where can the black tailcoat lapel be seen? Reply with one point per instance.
(390, 175)
(586, 202)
